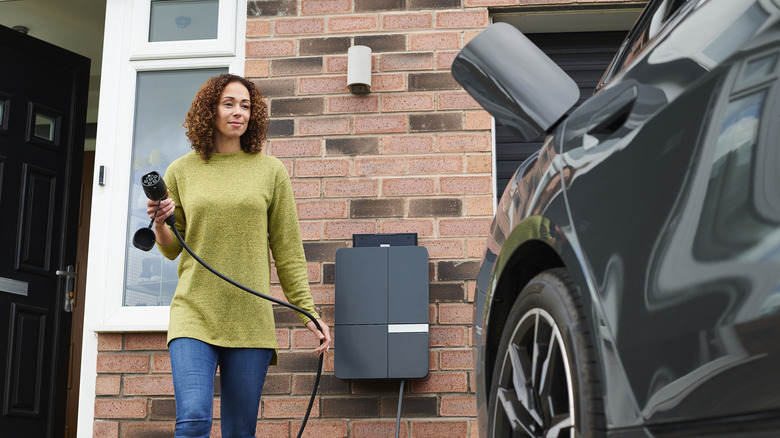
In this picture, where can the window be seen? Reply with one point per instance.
(162, 100)
(43, 126)
(183, 20)
(150, 84)
(5, 106)
(165, 29)
(652, 21)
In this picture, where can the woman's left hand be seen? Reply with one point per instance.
(323, 336)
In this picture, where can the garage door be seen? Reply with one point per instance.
(584, 56)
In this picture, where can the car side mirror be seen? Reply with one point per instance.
(515, 81)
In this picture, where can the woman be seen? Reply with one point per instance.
(232, 204)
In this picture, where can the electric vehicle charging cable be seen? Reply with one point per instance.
(398, 416)
(269, 298)
(155, 189)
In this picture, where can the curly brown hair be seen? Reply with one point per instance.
(200, 120)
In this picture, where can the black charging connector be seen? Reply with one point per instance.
(156, 190)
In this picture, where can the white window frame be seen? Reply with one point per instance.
(122, 60)
(223, 45)
(116, 116)
(118, 317)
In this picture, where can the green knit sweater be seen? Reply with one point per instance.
(230, 211)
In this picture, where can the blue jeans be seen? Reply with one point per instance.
(241, 374)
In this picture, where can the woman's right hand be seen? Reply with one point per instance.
(165, 210)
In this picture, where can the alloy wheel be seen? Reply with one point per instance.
(534, 397)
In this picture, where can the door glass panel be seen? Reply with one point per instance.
(162, 101)
(181, 20)
(4, 104)
(44, 127)
(3, 112)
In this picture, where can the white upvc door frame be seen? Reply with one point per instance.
(123, 58)
(115, 203)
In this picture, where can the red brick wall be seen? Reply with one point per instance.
(414, 155)
(404, 158)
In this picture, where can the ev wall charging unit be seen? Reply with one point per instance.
(382, 310)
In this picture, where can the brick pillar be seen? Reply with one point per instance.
(134, 389)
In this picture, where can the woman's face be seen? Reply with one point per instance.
(233, 111)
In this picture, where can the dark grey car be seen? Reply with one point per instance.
(631, 281)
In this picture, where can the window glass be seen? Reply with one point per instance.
(652, 27)
(162, 101)
(181, 20)
(4, 104)
(44, 127)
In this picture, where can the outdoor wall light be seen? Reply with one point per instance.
(359, 69)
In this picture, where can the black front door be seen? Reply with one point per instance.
(43, 94)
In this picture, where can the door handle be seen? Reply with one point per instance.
(615, 113)
(70, 277)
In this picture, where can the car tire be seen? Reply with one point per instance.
(545, 380)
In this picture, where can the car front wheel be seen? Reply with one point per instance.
(544, 380)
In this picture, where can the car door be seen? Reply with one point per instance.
(722, 250)
(640, 155)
